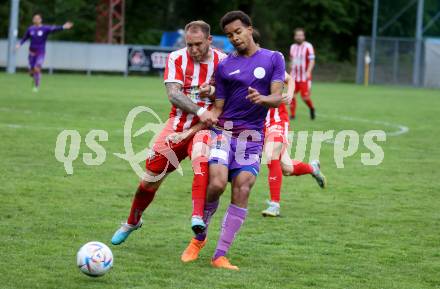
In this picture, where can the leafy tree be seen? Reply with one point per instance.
(331, 25)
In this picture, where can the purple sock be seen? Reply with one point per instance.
(232, 222)
(37, 79)
(208, 211)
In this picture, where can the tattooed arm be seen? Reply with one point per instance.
(180, 100)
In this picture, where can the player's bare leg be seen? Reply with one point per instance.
(143, 197)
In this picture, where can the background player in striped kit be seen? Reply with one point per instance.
(302, 57)
(275, 148)
(38, 33)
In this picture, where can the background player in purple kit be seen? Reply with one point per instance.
(38, 33)
(248, 82)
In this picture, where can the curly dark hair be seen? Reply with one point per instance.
(231, 16)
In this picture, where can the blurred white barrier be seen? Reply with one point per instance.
(88, 57)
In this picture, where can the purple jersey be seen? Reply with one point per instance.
(38, 36)
(233, 77)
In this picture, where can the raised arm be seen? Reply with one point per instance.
(66, 26)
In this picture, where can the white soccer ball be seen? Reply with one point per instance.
(94, 259)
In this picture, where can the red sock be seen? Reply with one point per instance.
(275, 178)
(199, 186)
(300, 168)
(141, 200)
(293, 107)
(309, 102)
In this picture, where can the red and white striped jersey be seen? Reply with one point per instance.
(301, 55)
(182, 69)
(277, 116)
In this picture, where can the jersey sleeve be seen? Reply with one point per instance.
(173, 69)
(310, 52)
(54, 28)
(25, 37)
(220, 83)
(291, 52)
(279, 67)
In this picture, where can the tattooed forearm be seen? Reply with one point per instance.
(176, 97)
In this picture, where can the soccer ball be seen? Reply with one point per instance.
(94, 259)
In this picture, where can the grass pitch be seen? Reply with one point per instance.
(374, 227)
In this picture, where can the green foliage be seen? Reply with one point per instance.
(332, 25)
(406, 24)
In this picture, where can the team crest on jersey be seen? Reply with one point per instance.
(40, 33)
(259, 72)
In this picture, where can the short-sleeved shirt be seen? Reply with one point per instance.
(38, 37)
(301, 55)
(235, 75)
(182, 69)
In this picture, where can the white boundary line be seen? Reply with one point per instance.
(401, 129)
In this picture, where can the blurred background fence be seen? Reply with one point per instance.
(394, 61)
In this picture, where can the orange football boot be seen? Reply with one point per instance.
(191, 252)
(223, 262)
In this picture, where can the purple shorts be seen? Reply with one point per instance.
(35, 59)
(236, 153)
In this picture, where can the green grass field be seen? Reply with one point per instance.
(374, 227)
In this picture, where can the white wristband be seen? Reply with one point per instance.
(201, 111)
